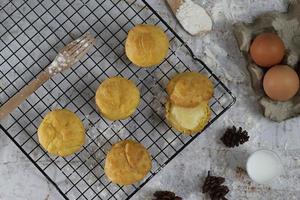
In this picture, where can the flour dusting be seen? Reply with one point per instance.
(56, 66)
(193, 18)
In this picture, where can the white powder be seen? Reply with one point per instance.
(86, 45)
(82, 41)
(56, 65)
(193, 18)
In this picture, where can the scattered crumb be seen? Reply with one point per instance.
(252, 189)
(240, 172)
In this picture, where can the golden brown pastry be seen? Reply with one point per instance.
(189, 89)
(188, 120)
(146, 45)
(117, 98)
(187, 108)
(61, 132)
(127, 162)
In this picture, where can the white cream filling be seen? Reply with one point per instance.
(188, 118)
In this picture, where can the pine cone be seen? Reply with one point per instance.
(219, 192)
(166, 195)
(233, 137)
(211, 182)
(213, 186)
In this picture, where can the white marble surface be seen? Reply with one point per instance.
(185, 174)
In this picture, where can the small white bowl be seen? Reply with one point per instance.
(263, 166)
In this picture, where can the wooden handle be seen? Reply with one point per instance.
(174, 5)
(22, 95)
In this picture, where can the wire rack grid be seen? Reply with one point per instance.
(32, 32)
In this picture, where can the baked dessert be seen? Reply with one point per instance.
(189, 89)
(61, 132)
(146, 45)
(187, 108)
(188, 120)
(127, 162)
(117, 98)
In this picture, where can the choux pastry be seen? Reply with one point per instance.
(61, 132)
(187, 108)
(189, 89)
(127, 162)
(117, 98)
(146, 45)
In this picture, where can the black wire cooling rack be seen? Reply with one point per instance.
(32, 32)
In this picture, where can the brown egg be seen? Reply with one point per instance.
(281, 83)
(267, 50)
